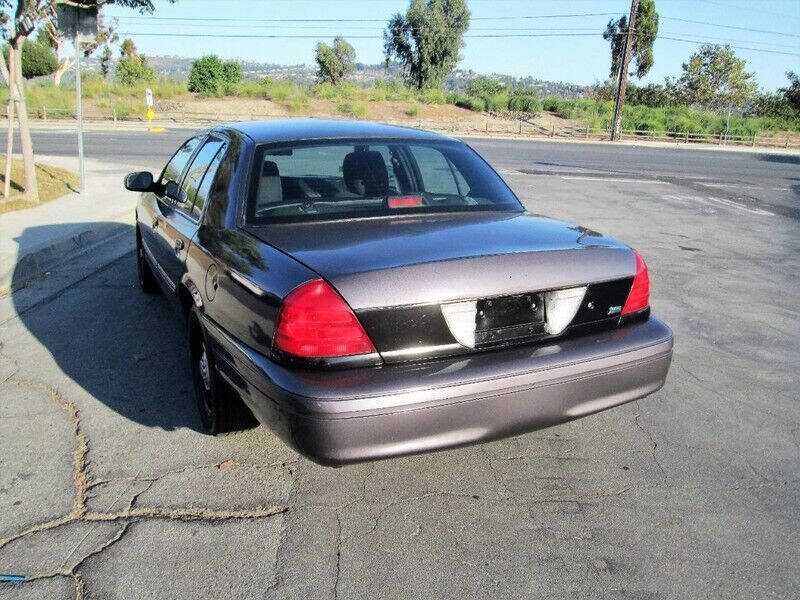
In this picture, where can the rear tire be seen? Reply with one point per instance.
(147, 280)
(221, 410)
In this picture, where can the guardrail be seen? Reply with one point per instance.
(519, 128)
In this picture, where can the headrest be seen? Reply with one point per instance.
(365, 173)
(270, 169)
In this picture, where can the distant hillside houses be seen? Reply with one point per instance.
(365, 74)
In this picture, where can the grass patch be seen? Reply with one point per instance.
(54, 182)
(412, 110)
(354, 110)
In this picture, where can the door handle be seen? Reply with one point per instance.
(155, 222)
(178, 245)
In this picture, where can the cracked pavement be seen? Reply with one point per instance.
(108, 490)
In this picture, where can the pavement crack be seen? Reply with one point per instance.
(495, 475)
(79, 513)
(338, 556)
(81, 441)
(655, 446)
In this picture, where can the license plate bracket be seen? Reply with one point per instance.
(509, 318)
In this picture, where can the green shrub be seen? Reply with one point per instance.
(412, 110)
(133, 69)
(432, 96)
(524, 101)
(468, 102)
(211, 76)
(484, 87)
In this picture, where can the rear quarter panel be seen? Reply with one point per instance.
(240, 280)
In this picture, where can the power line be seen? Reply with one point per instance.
(731, 27)
(675, 39)
(210, 20)
(358, 20)
(379, 37)
(564, 30)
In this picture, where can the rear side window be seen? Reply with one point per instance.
(175, 166)
(337, 179)
(435, 170)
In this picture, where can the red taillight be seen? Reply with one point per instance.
(315, 322)
(639, 296)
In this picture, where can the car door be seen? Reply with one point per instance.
(153, 206)
(179, 220)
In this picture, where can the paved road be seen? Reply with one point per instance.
(767, 179)
(108, 488)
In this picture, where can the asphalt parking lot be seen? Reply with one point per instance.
(109, 490)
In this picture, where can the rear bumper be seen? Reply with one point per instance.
(338, 417)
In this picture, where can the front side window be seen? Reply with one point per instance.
(198, 168)
(204, 188)
(175, 166)
(335, 180)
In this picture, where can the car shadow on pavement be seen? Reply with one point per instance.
(125, 348)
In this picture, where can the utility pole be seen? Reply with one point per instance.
(79, 111)
(622, 80)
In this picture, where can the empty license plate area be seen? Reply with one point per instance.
(509, 318)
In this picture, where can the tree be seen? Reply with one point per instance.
(792, 93)
(485, 86)
(211, 76)
(716, 78)
(38, 59)
(426, 40)
(105, 62)
(335, 62)
(127, 48)
(50, 34)
(645, 33)
(18, 23)
(133, 69)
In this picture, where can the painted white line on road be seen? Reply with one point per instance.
(616, 179)
(746, 185)
(723, 202)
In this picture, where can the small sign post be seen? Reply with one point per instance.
(148, 99)
(79, 23)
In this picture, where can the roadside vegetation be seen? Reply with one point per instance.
(53, 182)
(768, 113)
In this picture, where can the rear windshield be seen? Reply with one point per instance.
(336, 180)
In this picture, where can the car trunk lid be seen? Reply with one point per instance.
(402, 275)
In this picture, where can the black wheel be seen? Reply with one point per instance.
(221, 410)
(147, 281)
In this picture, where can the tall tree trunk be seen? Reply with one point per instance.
(63, 67)
(28, 165)
(8, 76)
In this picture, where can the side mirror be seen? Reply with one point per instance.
(171, 190)
(139, 181)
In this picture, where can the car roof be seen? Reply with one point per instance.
(292, 130)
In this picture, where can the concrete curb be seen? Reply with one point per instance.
(32, 265)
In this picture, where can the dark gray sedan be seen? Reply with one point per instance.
(369, 291)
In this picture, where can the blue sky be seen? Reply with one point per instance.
(579, 59)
